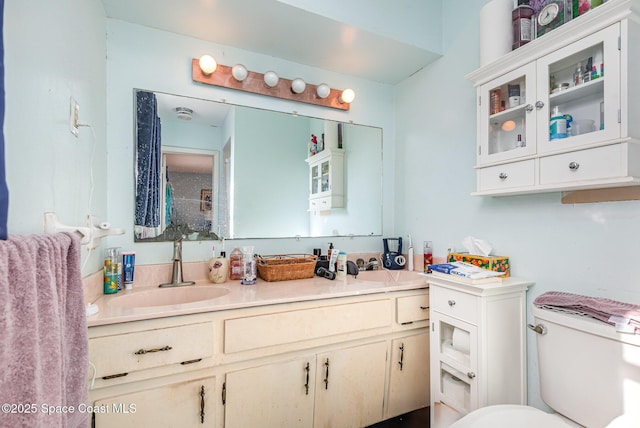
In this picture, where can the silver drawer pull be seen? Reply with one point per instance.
(471, 375)
(573, 166)
(452, 303)
(502, 176)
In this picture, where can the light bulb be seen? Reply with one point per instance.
(347, 96)
(239, 72)
(207, 64)
(298, 85)
(323, 90)
(271, 79)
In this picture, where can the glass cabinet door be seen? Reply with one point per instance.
(315, 179)
(507, 116)
(580, 88)
(325, 168)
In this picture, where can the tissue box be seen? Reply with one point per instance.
(494, 263)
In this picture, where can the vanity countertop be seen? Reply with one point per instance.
(111, 311)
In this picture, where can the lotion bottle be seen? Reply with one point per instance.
(218, 267)
(341, 265)
(333, 258)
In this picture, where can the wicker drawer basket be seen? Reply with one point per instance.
(284, 267)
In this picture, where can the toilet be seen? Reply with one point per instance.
(589, 375)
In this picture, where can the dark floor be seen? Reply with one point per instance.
(415, 419)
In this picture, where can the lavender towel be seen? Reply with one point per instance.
(43, 332)
(595, 307)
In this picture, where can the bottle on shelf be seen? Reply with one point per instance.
(494, 102)
(558, 125)
(522, 22)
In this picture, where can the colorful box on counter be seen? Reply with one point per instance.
(494, 263)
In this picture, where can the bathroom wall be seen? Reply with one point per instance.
(49, 58)
(144, 58)
(585, 248)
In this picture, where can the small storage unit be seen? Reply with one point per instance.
(477, 345)
(518, 152)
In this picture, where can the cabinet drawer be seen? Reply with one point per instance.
(413, 308)
(124, 353)
(320, 204)
(597, 163)
(326, 203)
(242, 334)
(517, 174)
(455, 303)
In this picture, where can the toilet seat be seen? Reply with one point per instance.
(509, 416)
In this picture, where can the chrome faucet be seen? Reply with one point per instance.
(176, 276)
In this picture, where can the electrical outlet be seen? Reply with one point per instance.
(74, 117)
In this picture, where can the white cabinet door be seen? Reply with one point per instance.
(409, 374)
(507, 128)
(184, 404)
(350, 386)
(273, 395)
(592, 101)
(454, 366)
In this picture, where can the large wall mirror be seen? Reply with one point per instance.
(208, 170)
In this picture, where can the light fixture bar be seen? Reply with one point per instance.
(254, 83)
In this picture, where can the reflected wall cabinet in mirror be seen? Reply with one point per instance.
(257, 178)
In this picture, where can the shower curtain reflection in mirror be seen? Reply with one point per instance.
(148, 166)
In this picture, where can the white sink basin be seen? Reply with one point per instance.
(384, 275)
(168, 296)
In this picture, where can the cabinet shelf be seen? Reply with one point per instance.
(581, 91)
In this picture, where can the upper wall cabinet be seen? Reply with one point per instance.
(556, 114)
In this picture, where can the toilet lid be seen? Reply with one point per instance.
(509, 416)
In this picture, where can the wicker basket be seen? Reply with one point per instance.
(285, 267)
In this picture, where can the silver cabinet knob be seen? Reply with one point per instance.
(539, 104)
(452, 303)
(471, 375)
(528, 107)
(502, 176)
(573, 166)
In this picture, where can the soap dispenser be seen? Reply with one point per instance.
(218, 268)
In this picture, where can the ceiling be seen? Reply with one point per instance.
(274, 28)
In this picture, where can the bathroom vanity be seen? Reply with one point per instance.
(311, 352)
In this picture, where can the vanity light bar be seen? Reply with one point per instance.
(254, 83)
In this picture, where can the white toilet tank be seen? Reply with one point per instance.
(588, 372)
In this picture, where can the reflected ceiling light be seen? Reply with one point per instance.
(271, 79)
(323, 90)
(239, 72)
(508, 126)
(298, 86)
(207, 64)
(184, 113)
(347, 97)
